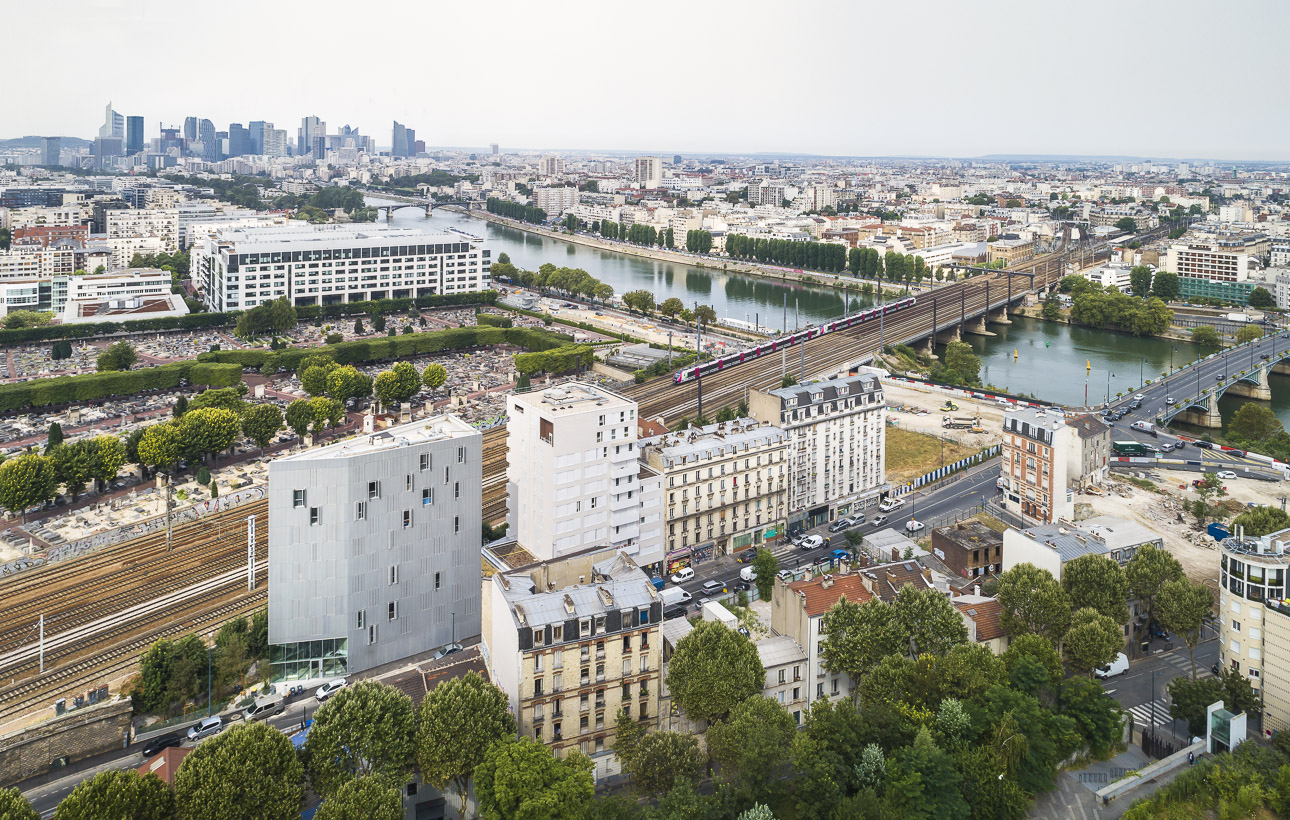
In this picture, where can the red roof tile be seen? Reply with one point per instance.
(820, 599)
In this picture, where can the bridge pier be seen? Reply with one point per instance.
(1253, 385)
(1207, 417)
(1000, 316)
(926, 347)
(947, 336)
(1282, 367)
(976, 326)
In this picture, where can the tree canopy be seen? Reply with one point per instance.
(364, 729)
(522, 780)
(712, 670)
(115, 793)
(459, 720)
(247, 765)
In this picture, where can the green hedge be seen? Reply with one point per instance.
(94, 386)
(494, 320)
(392, 347)
(558, 360)
(307, 312)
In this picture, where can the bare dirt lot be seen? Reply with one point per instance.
(904, 403)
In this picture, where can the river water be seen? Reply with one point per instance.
(1043, 359)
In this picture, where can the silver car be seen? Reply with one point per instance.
(208, 727)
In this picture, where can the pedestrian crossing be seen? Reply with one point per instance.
(1142, 713)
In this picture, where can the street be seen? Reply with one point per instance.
(1168, 660)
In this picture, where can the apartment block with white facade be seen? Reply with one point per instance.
(836, 444)
(555, 201)
(724, 487)
(573, 477)
(374, 548)
(237, 268)
(130, 230)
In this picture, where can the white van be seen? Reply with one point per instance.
(748, 574)
(264, 707)
(1116, 667)
(682, 575)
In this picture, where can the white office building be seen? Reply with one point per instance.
(238, 268)
(573, 479)
(555, 201)
(649, 172)
(374, 548)
(836, 438)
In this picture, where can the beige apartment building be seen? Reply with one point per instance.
(571, 641)
(1254, 619)
(1011, 251)
(725, 487)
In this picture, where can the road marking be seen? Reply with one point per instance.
(1142, 713)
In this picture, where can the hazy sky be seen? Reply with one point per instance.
(1164, 78)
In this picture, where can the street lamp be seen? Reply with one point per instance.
(1154, 675)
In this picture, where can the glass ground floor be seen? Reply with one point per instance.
(309, 660)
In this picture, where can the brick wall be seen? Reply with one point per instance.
(80, 734)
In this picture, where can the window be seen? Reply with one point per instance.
(297, 498)
(407, 482)
(371, 634)
(360, 510)
(456, 489)
(407, 519)
(373, 489)
(394, 573)
(425, 461)
(427, 497)
(461, 455)
(315, 516)
(446, 478)
(392, 610)
(557, 633)
(436, 580)
(362, 618)
(456, 523)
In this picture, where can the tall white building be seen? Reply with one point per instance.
(138, 230)
(238, 268)
(649, 171)
(836, 437)
(551, 167)
(573, 479)
(555, 200)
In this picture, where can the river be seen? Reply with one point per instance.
(1050, 358)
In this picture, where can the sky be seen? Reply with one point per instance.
(1151, 78)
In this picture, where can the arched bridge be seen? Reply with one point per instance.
(428, 204)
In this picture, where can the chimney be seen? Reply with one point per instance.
(976, 590)
(606, 597)
(568, 604)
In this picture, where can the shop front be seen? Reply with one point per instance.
(677, 560)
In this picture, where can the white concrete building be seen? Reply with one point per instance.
(1203, 260)
(573, 477)
(836, 434)
(239, 268)
(126, 228)
(649, 172)
(1114, 273)
(555, 201)
(551, 167)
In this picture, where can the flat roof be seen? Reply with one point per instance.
(435, 428)
(616, 583)
(572, 396)
(779, 650)
(255, 237)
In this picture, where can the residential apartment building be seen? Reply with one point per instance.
(237, 268)
(724, 487)
(836, 436)
(1050, 546)
(550, 167)
(797, 612)
(1207, 260)
(571, 641)
(1010, 251)
(573, 477)
(786, 666)
(374, 548)
(555, 201)
(146, 230)
(1254, 618)
(649, 172)
(1114, 273)
(1047, 456)
(1108, 216)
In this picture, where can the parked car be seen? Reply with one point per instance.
(879, 520)
(743, 585)
(264, 707)
(675, 612)
(746, 556)
(786, 574)
(840, 525)
(1116, 667)
(913, 526)
(840, 555)
(823, 560)
(1225, 474)
(208, 727)
(811, 542)
(450, 649)
(858, 519)
(330, 688)
(1155, 630)
(711, 588)
(748, 574)
(159, 744)
(890, 504)
(682, 575)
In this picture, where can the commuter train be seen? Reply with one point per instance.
(775, 345)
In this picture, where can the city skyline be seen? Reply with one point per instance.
(966, 82)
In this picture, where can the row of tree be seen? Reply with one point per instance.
(696, 241)
(88, 387)
(173, 673)
(824, 256)
(516, 210)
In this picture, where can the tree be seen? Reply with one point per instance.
(713, 669)
(1031, 600)
(54, 437)
(261, 423)
(751, 747)
(1092, 641)
(358, 327)
(364, 729)
(706, 314)
(1148, 571)
(347, 382)
(1238, 694)
(1255, 423)
(117, 356)
(1189, 698)
(1248, 333)
(1183, 607)
(107, 457)
(26, 481)
(1205, 335)
(180, 407)
(659, 761)
(1260, 297)
(1165, 285)
(1209, 488)
(1095, 581)
(928, 623)
(1052, 310)
(117, 793)
(363, 798)
(314, 379)
(962, 359)
(1261, 520)
(459, 720)
(924, 782)
(207, 431)
(398, 384)
(766, 565)
(522, 780)
(251, 765)
(671, 307)
(642, 301)
(160, 445)
(13, 806)
(1140, 281)
(434, 376)
(1127, 224)
(228, 398)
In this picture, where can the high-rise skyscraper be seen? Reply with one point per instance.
(275, 142)
(312, 137)
(113, 124)
(239, 140)
(403, 143)
(207, 137)
(494, 147)
(50, 150)
(190, 128)
(133, 135)
(257, 129)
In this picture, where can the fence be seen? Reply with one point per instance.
(993, 509)
(948, 470)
